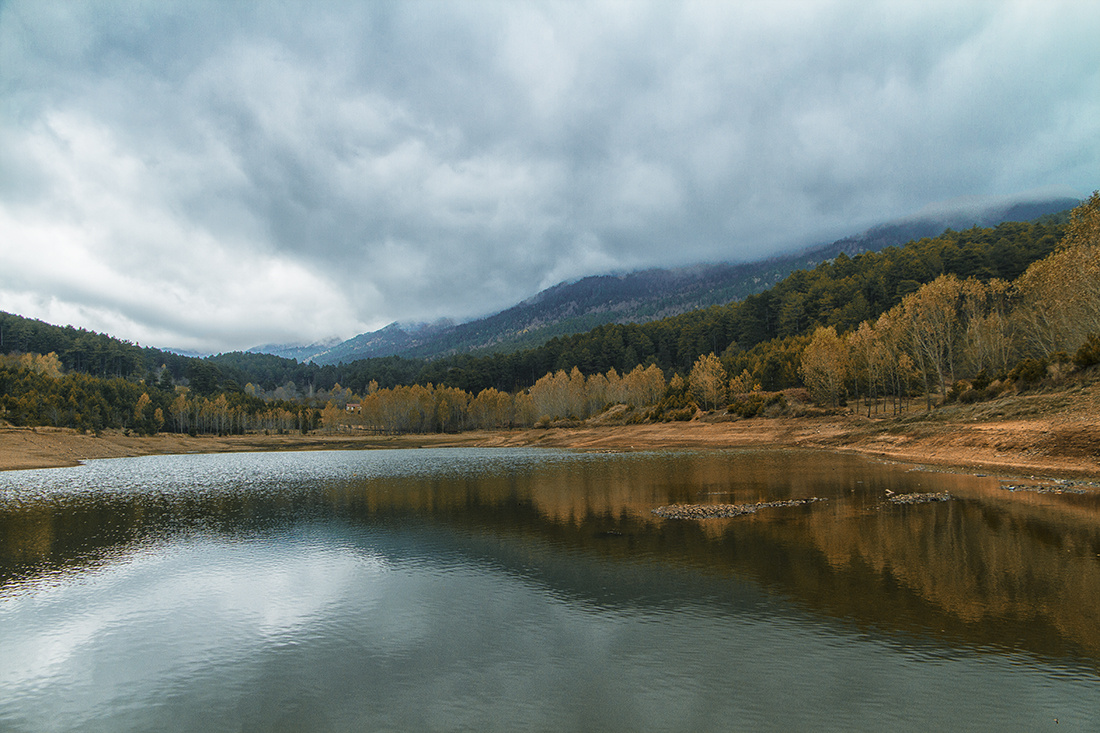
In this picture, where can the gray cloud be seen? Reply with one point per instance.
(217, 175)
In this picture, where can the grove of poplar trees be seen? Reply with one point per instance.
(952, 329)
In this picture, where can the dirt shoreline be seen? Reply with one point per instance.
(1051, 446)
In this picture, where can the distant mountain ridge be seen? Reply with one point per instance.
(644, 295)
(296, 351)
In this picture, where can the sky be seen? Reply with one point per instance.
(210, 176)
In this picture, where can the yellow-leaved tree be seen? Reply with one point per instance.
(743, 383)
(1061, 293)
(825, 365)
(708, 381)
(936, 319)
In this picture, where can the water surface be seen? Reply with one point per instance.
(471, 589)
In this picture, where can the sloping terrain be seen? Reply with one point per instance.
(641, 296)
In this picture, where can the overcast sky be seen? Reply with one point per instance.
(212, 176)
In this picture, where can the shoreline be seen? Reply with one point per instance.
(1018, 447)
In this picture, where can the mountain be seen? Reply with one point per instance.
(647, 295)
(395, 338)
(298, 352)
(936, 220)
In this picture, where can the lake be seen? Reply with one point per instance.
(523, 589)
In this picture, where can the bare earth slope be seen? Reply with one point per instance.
(1052, 433)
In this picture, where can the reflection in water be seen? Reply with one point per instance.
(536, 589)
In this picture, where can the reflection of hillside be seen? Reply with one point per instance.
(630, 486)
(982, 560)
(987, 568)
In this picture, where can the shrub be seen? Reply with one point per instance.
(1089, 353)
(969, 396)
(981, 381)
(1057, 370)
(776, 407)
(798, 394)
(956, 389)
(748, 407)
(1028, 372)
(674, 406)
(682, 414)
(751, 405)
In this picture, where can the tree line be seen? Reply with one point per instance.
(965, 338)
(890, 324)
(763, 333)
(35, 390)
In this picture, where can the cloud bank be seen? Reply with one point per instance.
(210, 176)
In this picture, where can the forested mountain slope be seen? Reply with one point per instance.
(642, 296)
(1022, 294)
(87, 352)
(841, 293)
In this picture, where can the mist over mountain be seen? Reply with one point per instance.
(645, 295)
(299, 352)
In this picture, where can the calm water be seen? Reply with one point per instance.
(534, 590)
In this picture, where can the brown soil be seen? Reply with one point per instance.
(55, 447)
(1054, 433)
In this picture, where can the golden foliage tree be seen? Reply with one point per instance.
(644, 387)
(825, 366)
(895, 365)
(708, 381)
(990, 339)
(865, 355)
(743, 383)
(141, 406)
(936, 321)
(1061, 293)
(180, 410)
(331, 417)
(48, 365)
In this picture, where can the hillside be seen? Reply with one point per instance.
(763, 333)
(841, 293)
(642, 296)
(964, 318)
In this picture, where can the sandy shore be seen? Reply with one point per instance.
(1054, 444)
(22, 448)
